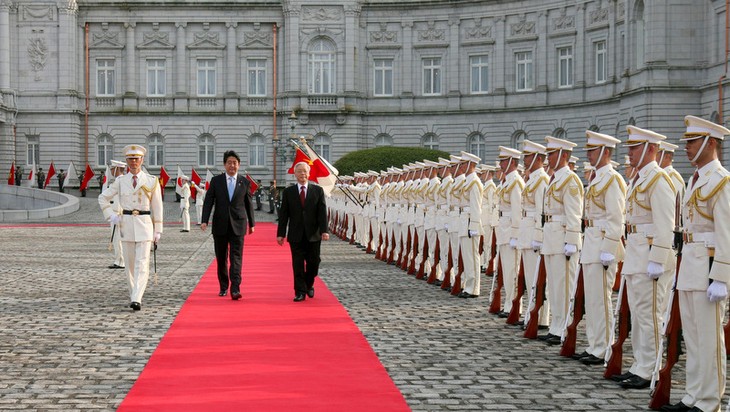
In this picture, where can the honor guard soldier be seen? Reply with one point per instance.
(629, 171)
(510, 213)
(443, 199)
(199, 199)
(185, 203)
(429, 224)
(705, 268)
(489, 215)
(117, 169)
(563, 210)
(140, 222)
(649, 224)
(470, 227)
(605, 199)
(530, 237)
(665, 159)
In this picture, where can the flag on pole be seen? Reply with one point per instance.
(31, 176)
(178, 181)
(88, 174)
(323, 173)
(299, 156)
(71, 171)
(164, 177)
(253, 186)
(51, 173)
(11, 177)
(208, 176)
(107, 179)
(195, 178)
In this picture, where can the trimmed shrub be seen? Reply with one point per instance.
(381, 158)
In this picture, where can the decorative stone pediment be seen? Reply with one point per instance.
(383, 36)
(431, 34)
(598, 17)
(479, 31)
(38, 12)
(523, 29)
(206, 40)
(564, 23)
(105, 40)
(256, 39)
(156, 40)
(322, 14)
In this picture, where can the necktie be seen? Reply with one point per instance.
(695, 177)
(302, 196)
(134, 181)
(592, 176)
(231, 187)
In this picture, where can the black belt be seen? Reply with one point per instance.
(136, 212)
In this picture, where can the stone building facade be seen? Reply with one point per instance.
(80, 79)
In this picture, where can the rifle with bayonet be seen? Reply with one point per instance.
(514, 314)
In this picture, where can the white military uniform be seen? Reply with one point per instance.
(605, 199)
(510, 213)
(563, 209)
(442, 221)
(489, 216)
(199, 199)
(429, 223)
(649, 222)
(185, 205)
(706, 208)
(470, 228)
(141, 219)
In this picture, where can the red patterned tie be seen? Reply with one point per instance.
(695, 177)
(302, 196)
(134, 181)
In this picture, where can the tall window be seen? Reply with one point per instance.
(155, 151)
(257, 77)
(478, 145)
(565, 66)
(430, 141)
(524, 71)
(383, 77)
(322, 144)
(256, 151)
(105, 77)
(156, 77)
(383, 139)
(322, 67)
(206, 151)
(479, 74)
(601, 71)
(518, 138)
(34, 150)
(432, 76)
(206, 77)
(104, 150)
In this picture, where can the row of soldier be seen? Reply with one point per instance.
(556, 245)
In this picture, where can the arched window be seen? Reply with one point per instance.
(322, 144)
(594, 128)
(559, 133)
(322, 67)
(383, 139)
(206, 151)
(257, 151)
(478, 145)
(104, 150)
(430, 141)
(517, 138)
(155, 151)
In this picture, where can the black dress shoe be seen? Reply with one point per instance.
(115, 266)
(677, 407)
(592, 360)
(467, 295)
(437, 283)
(579, 356)
(503, 314)
(622, 377)
(184, 230)
(310, 292)
(545, 337)
(235, 295)
(553, 340)
(635, 382)
(543, 327)
(299, 297)
(135, 306)
(223, 293)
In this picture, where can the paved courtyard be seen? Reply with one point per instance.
(69, 342)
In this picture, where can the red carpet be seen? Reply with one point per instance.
(264, 352)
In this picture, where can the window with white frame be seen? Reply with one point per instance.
(322, 66)
(601, 66)
(105, 77)
(156, 75)
(565, 66)
(383, 77)
(257, 77)
(104, 150)
(523, 72)
(431, 76)
(33, 153)
(430, 141)
(321, 145)
(256, 151)
(478, 145)
(155, 151)
(383, 139)
(206, 151)
(206, 77)
(479, 74)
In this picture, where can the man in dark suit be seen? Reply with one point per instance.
(304, 211)
(230, 195)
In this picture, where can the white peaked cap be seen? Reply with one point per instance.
(530, 147)
(553, 143)
(508, 152)
(134, 150)
(117, 163)
(373, 173)
(588, 166)
(431, 163)
(444, 162)
(454, 159)
(487, 168)
(627, 162)
(639, 136)
(573, 159)
(614, 164)
(469, 157)
(667, 147)
(698, 127)
(596, 139)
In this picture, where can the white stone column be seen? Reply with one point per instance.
(293, 68)
(4, 46)
(130, 83)
(498, 62)
(67, 35)
(452, 76)
(181, 72)
(352, 32)
(231, 71)
(410, 67)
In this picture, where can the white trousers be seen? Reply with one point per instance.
(117, 243)
(597, 289)
(137, 259)
(561, 275)
(510, 260)
(530, 260)
(444, 242)
(470, 279)
(186, 218)
(199, 210)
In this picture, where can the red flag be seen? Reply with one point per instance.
(195, 178)
(31, 175)
(11, 177)
(208, 176)
(253, 187)
(299, 157)
(88, 174)
(164, 177)
(323, 173)
(51, 173)
(178, 181)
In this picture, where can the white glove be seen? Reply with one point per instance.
(473, 233)
(607, 258)
(157, 237)
(717, 291)
(398, 221)
(536, 245)
(446, 226)
(570, 249)
(655, 270)
(115, 219)
(513, 243)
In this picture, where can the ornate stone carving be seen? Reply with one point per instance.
(598, 17)
(157, 40)
(321, 14)
(257, 38)
(105, 39)
(522, 28)
(432, 34)
(206, 40)
(564, 23)
(384, 35)
(37, 56)
(478, 32)
(44, 12)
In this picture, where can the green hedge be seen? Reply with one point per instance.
(381, 158)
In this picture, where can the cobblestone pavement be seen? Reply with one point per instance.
(70, 343)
